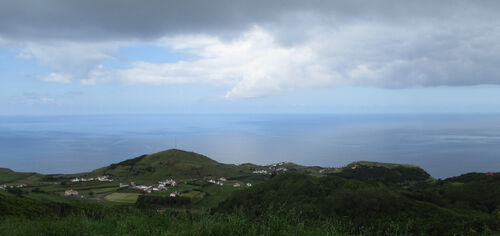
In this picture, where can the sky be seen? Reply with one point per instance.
(231, 56)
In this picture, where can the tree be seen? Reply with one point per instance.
(16, 191)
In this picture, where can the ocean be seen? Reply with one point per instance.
(443, 144)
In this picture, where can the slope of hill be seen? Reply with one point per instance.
(372, 204)
(176, 163)
(8, 176)
(386, 172)
(172, 163)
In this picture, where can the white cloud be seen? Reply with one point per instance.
(252, 65)
(32, 98)
(364, 54)
(306, 49)
(57, 78)
(67, 60)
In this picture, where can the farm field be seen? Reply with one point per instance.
(122, 197)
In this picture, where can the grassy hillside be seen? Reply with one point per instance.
(363, 198)
(385, 172)
(434, 210)
(8, 176)
(170, 164)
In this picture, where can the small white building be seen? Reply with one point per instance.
(162, 187)
(222, 179)
(174, 194)
(236, 185)
(104, 178)
(249, 185)
(283, 169)
(170, 182)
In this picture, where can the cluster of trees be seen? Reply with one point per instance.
(397, 174)
(145, 201)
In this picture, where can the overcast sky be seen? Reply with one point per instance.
(86, 57)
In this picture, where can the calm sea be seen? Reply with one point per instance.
(444, 145)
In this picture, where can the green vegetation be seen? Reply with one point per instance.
(385, 172)
(363, 198)
(122, 197)
(11, 177)
(169, 164)
(436, 209)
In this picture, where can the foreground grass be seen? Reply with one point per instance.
(181, 224)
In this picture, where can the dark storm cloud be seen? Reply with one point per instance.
(131, 19)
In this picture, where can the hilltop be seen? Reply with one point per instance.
(385, 172)
(12, 177)
(5, 170)
(171, 163)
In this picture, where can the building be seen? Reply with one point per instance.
(249, 185)
(170, 182)
(173, 194)
(70, 193)
(222, 179)
(236, 185)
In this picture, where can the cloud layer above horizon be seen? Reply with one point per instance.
(259, 48)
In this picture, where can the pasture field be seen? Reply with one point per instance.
(122, 197)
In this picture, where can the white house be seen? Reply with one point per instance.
(170, 182)
(222, 179)
(236, 185)
(161, 187)
(174, 194)
(143, 187)
(104, 178)
(249, 185)
(282, 169)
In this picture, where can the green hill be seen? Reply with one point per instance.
(373, 205)
(172, 163)
(176, 163)
(386, 172)
(8, 176)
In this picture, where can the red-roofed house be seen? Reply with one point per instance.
(70, 193)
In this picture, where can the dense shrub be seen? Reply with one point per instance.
(161, 201)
